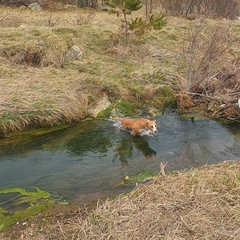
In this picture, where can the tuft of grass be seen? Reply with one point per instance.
(90, 68)
(64, 31)
(126, 109)
(164, 97)
(36, 32)
(106, 113)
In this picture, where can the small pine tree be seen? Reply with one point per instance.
(157, 22)
(126, 7)
(140, 26)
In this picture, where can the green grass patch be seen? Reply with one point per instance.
(36, 32)
(90, 68)
(12, 35)
(128, 109)
(64, 31)
(172, 37)
(6, 72)
(164, 97)
(8, 117)
(140, 177)
(157, 77)
(106, 113)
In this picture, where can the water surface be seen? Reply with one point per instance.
(87, 160)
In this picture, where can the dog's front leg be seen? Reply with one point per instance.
(133, 133)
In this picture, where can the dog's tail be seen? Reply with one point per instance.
(116, 119)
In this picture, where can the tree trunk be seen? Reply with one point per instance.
(94, 3)
(190, 8)
(126, 26)
(151, 6)
(82, 3)
(146, 10)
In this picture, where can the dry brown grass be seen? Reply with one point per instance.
(38, 91)
(36, 98)
(199, 204)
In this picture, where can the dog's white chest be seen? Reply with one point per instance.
(145, 132)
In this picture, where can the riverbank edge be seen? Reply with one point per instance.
(193, 114)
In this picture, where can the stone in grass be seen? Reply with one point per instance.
(74, 53)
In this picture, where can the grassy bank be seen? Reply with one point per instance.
(40, 87)
(199, 204)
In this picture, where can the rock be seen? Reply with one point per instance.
(74, 53)
(102, 104)
(20, 56)
(123, 181)
(22, 7)
(35, 7)
(41, 42)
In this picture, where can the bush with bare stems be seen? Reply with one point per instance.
(210, 78)
(220, 8)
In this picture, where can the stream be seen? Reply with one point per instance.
(87, 160)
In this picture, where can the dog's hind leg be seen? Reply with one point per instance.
(118, 124)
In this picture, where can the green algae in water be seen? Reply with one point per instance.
(22, 204)
(38, 193)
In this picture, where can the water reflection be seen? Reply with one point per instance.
(126, 147)
(142, 145)
(93, 141)
(124, 151)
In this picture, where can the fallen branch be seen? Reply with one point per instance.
(202, 95)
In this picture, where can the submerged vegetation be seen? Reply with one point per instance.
(22, 204)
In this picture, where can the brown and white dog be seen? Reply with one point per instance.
(140, 126)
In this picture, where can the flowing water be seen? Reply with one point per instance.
(88, 160)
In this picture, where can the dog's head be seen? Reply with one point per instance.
(152, 126)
